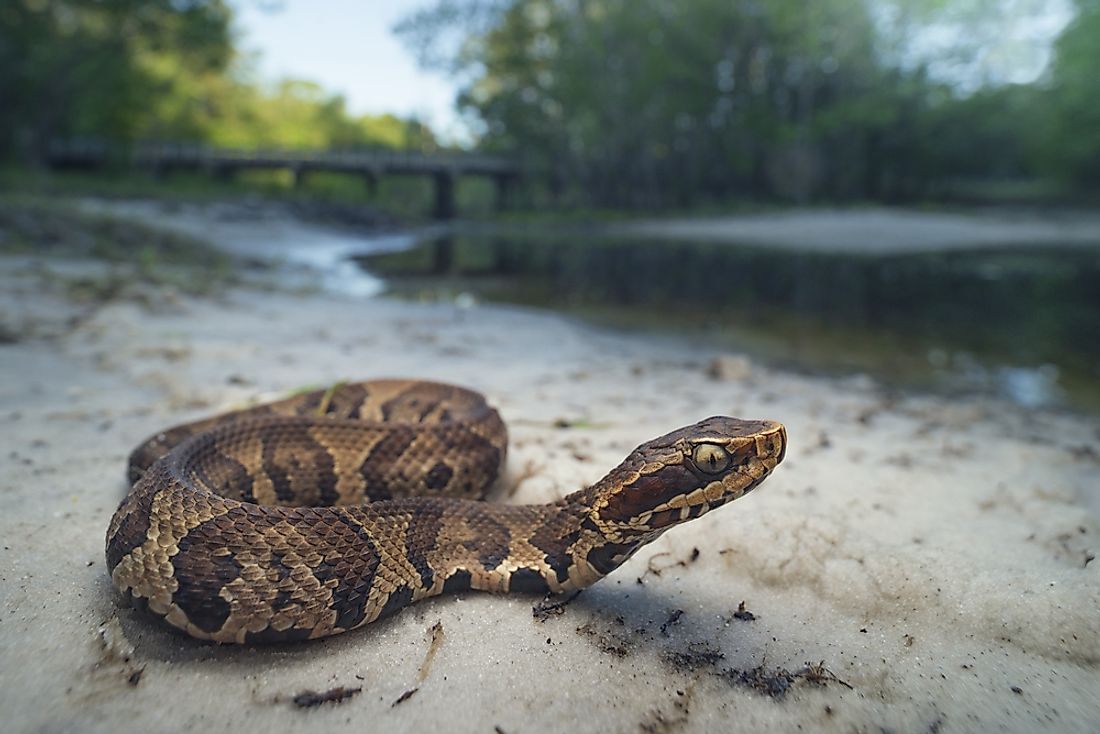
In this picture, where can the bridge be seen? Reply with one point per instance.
(444, 168)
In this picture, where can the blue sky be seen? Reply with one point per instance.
(348, 47)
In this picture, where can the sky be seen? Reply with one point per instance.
(348, 47)
(1014, 45)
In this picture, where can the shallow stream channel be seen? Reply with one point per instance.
(1022, 323)
(1017, 320)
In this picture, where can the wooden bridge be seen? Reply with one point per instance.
(161, 158)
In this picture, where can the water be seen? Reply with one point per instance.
(1021, 323)
(297, 253)
(302, 255)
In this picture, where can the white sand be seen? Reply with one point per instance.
(881, 230)
(930, 552)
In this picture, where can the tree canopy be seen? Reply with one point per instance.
(1070, 146)
(128, 70)
(653, 102)
(608, 102)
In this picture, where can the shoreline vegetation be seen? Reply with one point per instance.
(727, 103)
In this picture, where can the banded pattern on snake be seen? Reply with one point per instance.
(329, 510)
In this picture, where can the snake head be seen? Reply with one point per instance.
(685, 474)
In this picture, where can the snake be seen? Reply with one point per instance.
(334, 508)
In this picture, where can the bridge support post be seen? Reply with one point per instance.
(298, 177)
(370, 178)
(443, 255)
(505, 188)
(221, 172)
(444, 195)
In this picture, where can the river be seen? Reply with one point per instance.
(1017, 317)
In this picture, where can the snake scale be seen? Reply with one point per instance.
(329, 510)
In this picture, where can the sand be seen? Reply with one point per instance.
(918, 563)
(881, 230)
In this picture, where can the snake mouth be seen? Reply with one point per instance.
(696, 503)
(661, 519)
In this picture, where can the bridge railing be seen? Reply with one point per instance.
(192, 155)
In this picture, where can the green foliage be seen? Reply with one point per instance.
(120, 71)
(649, 103)
(654, 103)
(609, 103)
(293, 114)
(83, 67)
(1071, 145)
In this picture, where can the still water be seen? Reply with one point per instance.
(1022, 323)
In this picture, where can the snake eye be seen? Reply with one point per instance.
(711, 458)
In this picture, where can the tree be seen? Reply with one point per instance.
(654, 102)
(91, 67)
(1071, 144)
(649, 102)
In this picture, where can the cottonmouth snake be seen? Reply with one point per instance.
(326, 511)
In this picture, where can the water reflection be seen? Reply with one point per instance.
(330, 258)
(1016, 321)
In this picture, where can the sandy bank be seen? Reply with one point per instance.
(932, 554)
(878, 231)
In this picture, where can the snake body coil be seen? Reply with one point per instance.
(326, 511)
